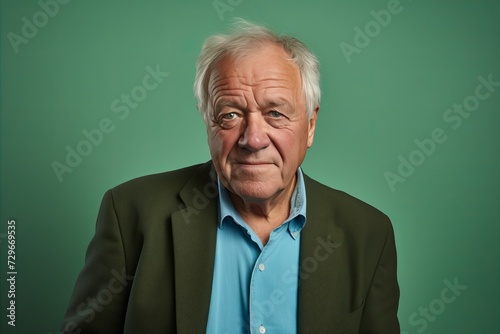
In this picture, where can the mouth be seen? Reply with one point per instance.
(252, 164)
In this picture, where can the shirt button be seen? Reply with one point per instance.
(262, 329)
(261, 268)
(295, 234)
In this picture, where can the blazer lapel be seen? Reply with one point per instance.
(320, 263)
(194, 229)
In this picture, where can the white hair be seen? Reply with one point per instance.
(246, 38)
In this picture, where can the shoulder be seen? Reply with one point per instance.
(160, 189)
(174, 178)
(344, 210)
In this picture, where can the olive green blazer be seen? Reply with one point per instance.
(149, 266)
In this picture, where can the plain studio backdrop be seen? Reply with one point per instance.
(95, 93)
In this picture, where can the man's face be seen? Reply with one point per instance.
(258, 131)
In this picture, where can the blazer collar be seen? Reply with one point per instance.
(320, 245)
(194, 229)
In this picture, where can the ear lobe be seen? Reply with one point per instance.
(312, 127)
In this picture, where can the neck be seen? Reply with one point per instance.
(264, 215)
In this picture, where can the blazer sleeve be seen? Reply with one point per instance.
(381, 304)
(98, 303)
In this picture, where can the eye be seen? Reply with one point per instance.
(227, 120)
(275, 114)
(277, 119)
(229, 116)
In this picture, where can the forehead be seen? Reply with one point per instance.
(266, 64)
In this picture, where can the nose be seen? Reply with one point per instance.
(254, 136)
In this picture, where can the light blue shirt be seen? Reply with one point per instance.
(255, 287)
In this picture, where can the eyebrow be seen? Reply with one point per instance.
(277, 104)
(220, 105)
(280, 103)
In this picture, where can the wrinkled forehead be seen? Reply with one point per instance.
(266, 62)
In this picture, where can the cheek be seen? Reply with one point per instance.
(291, 148)
(213, 142)
(220, 143)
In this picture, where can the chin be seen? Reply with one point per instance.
(253, 190)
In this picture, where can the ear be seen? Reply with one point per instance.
(312, 127)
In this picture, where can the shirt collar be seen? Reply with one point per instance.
(296, 218)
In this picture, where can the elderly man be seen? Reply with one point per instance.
(245, 243)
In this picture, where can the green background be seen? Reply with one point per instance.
(394, 91)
